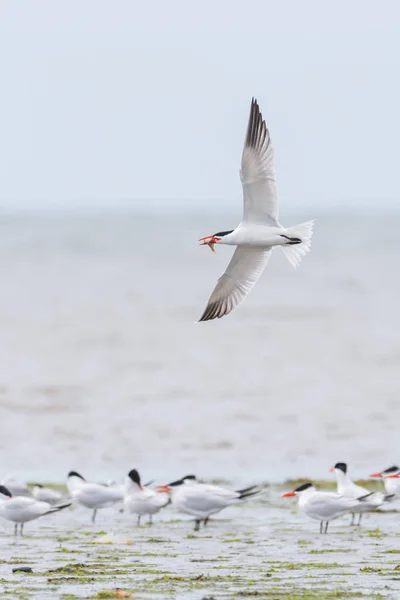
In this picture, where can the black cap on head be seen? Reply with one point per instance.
(393, 469)
(303, 487)
(75, 474)
(175, 483)
(182, 481)
(222, 233)
(341, 466)
(134, 475)
(5, 491)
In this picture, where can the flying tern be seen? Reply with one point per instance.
(259, 231)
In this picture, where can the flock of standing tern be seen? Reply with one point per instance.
(349, 498)
(255, 237)
(19, 504)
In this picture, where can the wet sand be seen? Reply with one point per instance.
(263, 549)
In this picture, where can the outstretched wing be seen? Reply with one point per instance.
(246, 266)
(258, 171)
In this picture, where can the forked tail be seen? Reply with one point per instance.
(58, 507)
(254, 490)
(295, 252)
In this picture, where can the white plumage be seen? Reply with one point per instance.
(45, 494)
(323, 506)
(92, 495)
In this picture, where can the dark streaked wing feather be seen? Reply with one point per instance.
(256, 128)
(258, 171)
(242, 273)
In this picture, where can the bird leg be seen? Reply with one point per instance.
(138, 521)
(21, 528)
(326, 527)
(94, 515)
(359, 518)
(321, 525)
(197, 524)
(16, 529)
(353, 515)
(206, 521)
(150, 519)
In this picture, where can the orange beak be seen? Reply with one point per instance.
(376, 475)
(210, 241)
(163, 488)
(395, 475)
(287, 494)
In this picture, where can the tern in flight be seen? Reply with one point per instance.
(260, 231)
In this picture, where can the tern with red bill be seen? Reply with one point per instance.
(201, 500)
(347, 487)
(322, 506)
(391, 480)
(142, 500)
(260, 231)
(21, 509)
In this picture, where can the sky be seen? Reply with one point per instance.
(131, 105)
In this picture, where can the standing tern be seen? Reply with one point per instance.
(21, 509)
(92, 495)
(390, 481)
(260, 231)
(142, 500)
(45, 494)
(202, 500)
(346, 487)
(323, 506)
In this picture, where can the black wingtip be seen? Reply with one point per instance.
(257, 131)
(215, 310)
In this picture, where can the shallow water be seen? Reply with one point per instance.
(262, 548)
(102, 368)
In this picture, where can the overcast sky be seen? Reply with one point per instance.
(144, 104)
